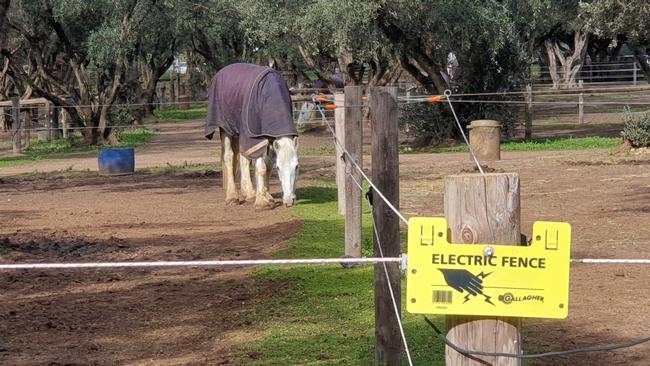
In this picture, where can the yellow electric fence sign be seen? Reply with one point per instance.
(488, 279)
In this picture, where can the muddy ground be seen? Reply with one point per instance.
(198, 317)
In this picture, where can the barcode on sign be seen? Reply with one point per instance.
(442, 297)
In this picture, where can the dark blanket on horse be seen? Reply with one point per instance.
(252, 103)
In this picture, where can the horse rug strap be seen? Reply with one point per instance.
(251, 103)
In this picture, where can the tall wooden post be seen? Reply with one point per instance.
(385, 175)
(172, 90)
(56, 124)
(528, 134)
(339, 127)
(15, 115)
(26, 127)
(483, 209)
(48, 122)
(581, 104)
(353, 144)
(63, 115)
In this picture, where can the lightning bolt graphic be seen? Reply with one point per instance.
(466, 298)
(487, 299)
(483, 274)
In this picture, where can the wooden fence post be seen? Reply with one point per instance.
(15, 114)
(48, 122)
(581, 104)
(339, 128)
(483, 209)
(528, 134)
(63, 115)
(353, 144)
(385, 175)
(26, 129)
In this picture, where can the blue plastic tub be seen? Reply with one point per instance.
(116, 161)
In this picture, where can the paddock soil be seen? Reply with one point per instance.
(202, 316)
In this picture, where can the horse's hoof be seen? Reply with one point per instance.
(266, 206)
(232, 202)
(248, 198)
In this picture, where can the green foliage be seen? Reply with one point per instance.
(327, 315)
(612, 18)
(637, 128)
(427, 123)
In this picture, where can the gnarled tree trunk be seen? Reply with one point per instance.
(571, 64)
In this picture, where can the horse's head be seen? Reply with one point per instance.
(286, 151)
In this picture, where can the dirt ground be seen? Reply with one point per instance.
(196, 317)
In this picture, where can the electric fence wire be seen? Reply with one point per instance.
(390, 288)
(462, 131)
(348, 157)
(591, 349)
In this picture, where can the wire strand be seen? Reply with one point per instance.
(466, 352)
(214, 263)
(354, 164)
(462, 132)
(390, 288)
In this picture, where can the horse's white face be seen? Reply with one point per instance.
(286, 150)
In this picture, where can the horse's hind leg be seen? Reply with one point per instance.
(247, 190)
(229, 168)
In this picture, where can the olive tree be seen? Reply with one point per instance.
(76, 53)
(622, 21)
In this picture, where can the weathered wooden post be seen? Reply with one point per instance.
(26, 128)
(183, 98)
(483, 209)
(485, 138)
(385, 175)
(528, 114)
(48, 122)
(339, 128)
(172, 90)
(353, 144)
(15, 115)
(581, 104)
(64, 121)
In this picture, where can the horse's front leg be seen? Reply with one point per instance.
(247, 190)
(229, 167)
(263, 199)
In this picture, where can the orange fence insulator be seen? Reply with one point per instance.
(322, 99)
(435, 99)
(330, 106)
(365, 97)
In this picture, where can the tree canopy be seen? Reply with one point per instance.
(87, 55)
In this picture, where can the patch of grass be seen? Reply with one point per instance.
(173, 112)
(316, 151)
(186, 167)
(39, 150)
(580, 143)
(135, 137)
(326, 317)
(15, 161)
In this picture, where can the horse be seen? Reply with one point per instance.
(251, 107)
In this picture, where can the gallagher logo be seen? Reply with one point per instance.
(509, 298)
